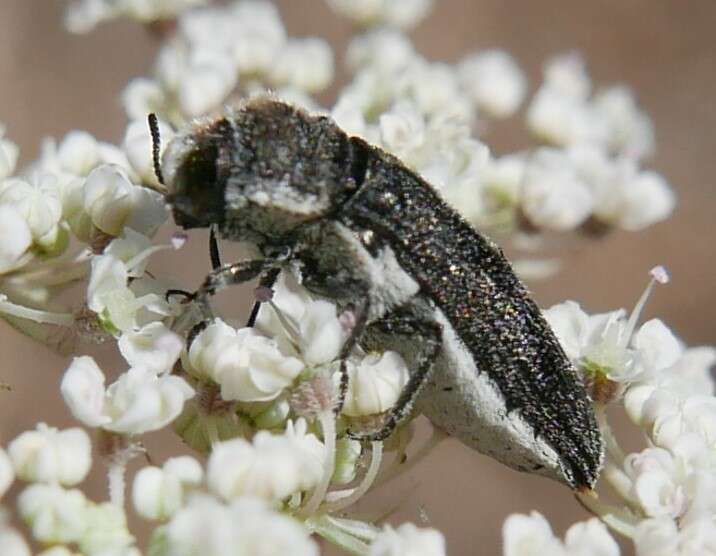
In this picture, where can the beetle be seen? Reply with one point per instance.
(358, 227)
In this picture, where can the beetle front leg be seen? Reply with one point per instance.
(429, 337)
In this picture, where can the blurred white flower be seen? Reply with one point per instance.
(157, 493)
(375, 383)
(38, 202)
(7, 474)
(137, 145)
(9, 153)
(553, 195)
(153, 347)
(306, 64)
(84, 15)
(494, 81)
(78, 153)
(662, 537)
(201, 78)
(247, 365)
(57, 551)
(561, 119)
(49, 455)
(54, 514)
(384, 49)
(246, 527)
(635, 200)
(106, 532)
(15, 237)
(261, 34)
(143, 96)
(271, 467)
(531, 535)
(11, 542)
(138, 402)
(567, 74)
(443, 98)
(404, 14)
(630, 130)
(408, 540)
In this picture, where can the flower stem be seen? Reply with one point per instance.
(328, 426)
(342, 499)
(43, 317)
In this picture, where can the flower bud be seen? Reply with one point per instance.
(54, 514)
(51, 456)
(157, 493)
(375, 383)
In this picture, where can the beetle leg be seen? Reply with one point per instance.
(350, 343)
(429, 335)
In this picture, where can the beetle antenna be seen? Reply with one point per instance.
(156, 143)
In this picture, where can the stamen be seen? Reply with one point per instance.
(658, 275)
(36, 315)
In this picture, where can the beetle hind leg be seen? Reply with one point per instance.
(391, 332)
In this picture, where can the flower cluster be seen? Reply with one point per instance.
(266, 448)
(668, 392)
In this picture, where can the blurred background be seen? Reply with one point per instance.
(51, 82)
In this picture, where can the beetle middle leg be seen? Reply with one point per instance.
(404, 329)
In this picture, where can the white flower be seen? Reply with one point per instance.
(524, 535)
(553, 195)
(138, 402)
(247, 365)
(108, 294)
(494, 82)
(15, 237)
(261, 34)
(78, 153)
(106, 532)
(444, 96)
(7, 474)
(561, 119)
(663, 394)
(408, 540)
(605, 342)
(636, 200)
(49, 455)
(630, 130)
(138, 146)
(111, 201)
(306, 64)
(272, 467)
(657, 482)
(154, 347)
(246, 527)
(143, 96)
(9, 153)
(567, 74)
(375, 383)
(662, 537)
(201, 78)
(83, 15)
(57, 551)
(127, 247)
(54, 514)
(38, 201)
(11, 542)
(404, 14)
(385, 49)
(157, 493)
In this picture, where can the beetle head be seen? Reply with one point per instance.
(261, 170)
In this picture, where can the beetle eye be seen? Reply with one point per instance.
(199, 192)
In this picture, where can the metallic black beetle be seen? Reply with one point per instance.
(358, 227)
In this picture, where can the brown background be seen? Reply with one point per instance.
(51, 82)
